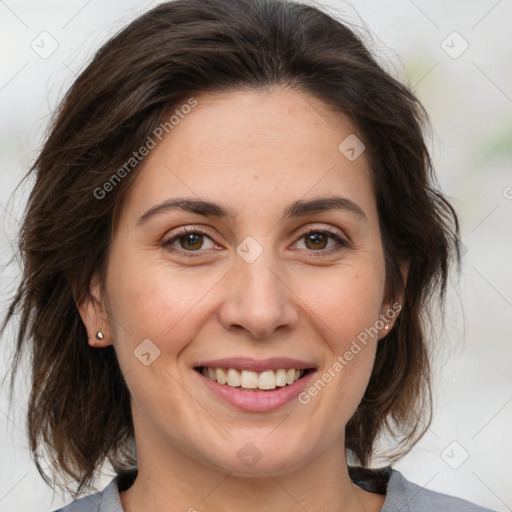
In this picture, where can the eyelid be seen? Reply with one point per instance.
(325, 229)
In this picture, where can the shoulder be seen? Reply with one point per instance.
(106, 500)
(91, 503)
(405, 496)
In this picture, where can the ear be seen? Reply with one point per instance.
(94, 315)
(391, 308)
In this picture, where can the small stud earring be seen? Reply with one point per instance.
(386, 327)
(99, 335)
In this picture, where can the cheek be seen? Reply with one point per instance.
(156, 302)
(151, 302)
(347, 299)
(356, 317)
(347, 305)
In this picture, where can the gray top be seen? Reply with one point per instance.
(401, 496)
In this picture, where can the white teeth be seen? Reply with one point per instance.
(246, 379)
(281, 377)
(267, 380)
(220, 376)
(233, 378)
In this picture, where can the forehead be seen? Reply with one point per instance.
(272, 123)
(254, 149)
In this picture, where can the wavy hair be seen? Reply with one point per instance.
(79, 403)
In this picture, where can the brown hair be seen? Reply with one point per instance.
(79, 403)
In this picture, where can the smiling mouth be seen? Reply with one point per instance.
(247, 380)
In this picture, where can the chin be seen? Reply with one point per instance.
(260, 454)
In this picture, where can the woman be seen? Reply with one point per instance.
(230, 251)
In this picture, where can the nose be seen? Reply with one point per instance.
(258, 300)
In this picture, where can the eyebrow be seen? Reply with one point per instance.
(297, 209)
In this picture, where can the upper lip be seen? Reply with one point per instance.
(256, 365)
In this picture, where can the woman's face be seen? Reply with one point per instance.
(273, 277)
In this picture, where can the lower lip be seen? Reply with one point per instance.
(257, 401)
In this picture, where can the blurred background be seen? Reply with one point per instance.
(457, 58)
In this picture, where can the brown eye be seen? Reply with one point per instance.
(318, 240)
(191, 241)
(188, 241)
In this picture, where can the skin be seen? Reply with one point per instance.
(254, 152)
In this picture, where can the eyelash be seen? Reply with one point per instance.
(320, 253)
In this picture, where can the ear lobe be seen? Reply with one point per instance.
(94, 316)
(390, 312)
